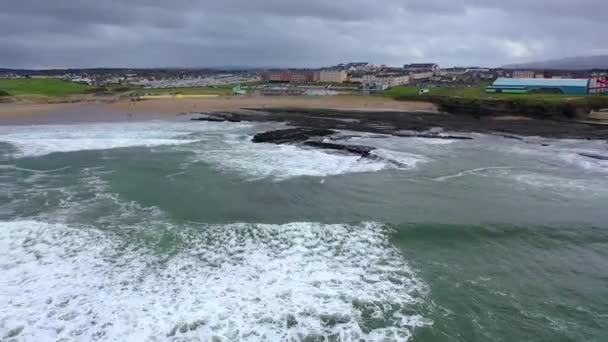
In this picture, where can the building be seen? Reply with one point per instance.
(304, 76)
(385, 81)
(598, 85)
(295, 76)
(452, 72)
(276, 76)
(539, 85)
(353, 67)
(421, 75)
(418, 67)
(333, 76)
(524, 74)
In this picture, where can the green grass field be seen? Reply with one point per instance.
(477, 92)
(474, 100)
(189, 91)
(45, 87)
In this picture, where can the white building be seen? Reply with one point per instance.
(452, 72)
(419, 67)
(386, 81)
(524, 74)
(333, 76)
(421, 75)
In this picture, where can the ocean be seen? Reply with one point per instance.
(187, 231)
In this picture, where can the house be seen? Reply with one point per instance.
(333, 76)
(295, 76)
(383, 81)
(418, 67)
(524, 74)
(421, 75)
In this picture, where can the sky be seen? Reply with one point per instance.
(296, 33)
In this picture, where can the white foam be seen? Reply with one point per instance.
(280, 162)
(236, 282)
(566, 153)
(34, 141)
(589, 187)
(555, 183)
(14, 167)
(226, 146)
(403, 159)
(472, 171)
(586, 163)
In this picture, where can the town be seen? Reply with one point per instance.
(357, 77)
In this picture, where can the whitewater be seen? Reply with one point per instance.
(187, 231)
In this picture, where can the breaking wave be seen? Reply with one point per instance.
(245, 282)
(35, 141)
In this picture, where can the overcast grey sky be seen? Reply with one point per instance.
(189, 33)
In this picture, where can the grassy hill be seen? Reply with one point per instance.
(474, 100)
(44, 87)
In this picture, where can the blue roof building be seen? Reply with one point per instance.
(540, 85)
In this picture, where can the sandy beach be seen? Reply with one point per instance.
(125, 109)
(235, 103)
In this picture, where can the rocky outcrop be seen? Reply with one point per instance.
(206, 118)
(218, 117)
(292, 135)
(311, 137)
(363, 151)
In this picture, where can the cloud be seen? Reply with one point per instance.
(519, 49)
(190, 33)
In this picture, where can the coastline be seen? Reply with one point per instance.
(236, 103)
(126, 109)
(372, 114)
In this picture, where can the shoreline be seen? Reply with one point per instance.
(415, 124)
(128, 110)
(238, 103)
(355, 113)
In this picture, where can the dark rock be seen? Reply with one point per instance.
(508, 136)
(594, 156)
(233, 119)
(218, 117)
(417, 124)
(207, 118)
(363, 151)
(432, 136)
(292, 135)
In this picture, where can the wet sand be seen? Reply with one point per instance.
(49, 114)
(235, 103)
(355, 113)
(127, 110)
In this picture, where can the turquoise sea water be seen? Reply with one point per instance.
(187, 231)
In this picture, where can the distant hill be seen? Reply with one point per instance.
(571, 63)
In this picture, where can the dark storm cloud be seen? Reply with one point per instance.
(145, 33)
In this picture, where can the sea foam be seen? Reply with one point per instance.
(238, 282)
(34, 141)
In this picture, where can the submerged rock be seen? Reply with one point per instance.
(206, 118)
(292, 135)
(217, 117)
(594, 156)
(432, 136)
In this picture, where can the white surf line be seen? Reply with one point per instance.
(13, 167)
(173, 175)
(464, 173)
